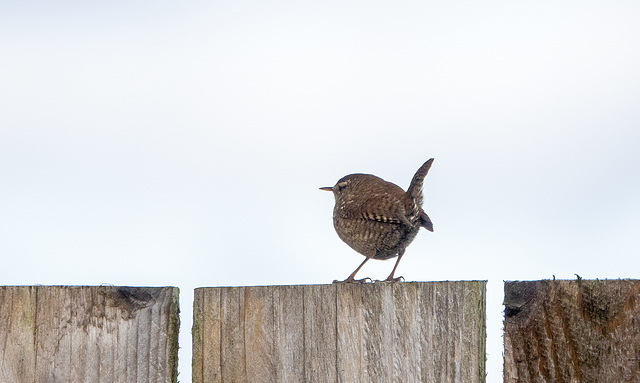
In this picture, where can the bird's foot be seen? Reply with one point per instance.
(391, 279)
(352, 280)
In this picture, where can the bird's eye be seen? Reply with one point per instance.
(341, 185)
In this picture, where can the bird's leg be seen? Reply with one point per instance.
(390, 278)
(351, 278)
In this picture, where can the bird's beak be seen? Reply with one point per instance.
(327, 188)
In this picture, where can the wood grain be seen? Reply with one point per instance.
(97, 334)
(382, 332)
(572, 331)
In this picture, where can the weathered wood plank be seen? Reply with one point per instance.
(383, 332)
(259, 326)
(407, 330)
(377, 334)
(450, 315)
(572, 331)
(233, 359)
(319, 321)
(350, 324)
(17, 324)
(97, 334)
(289, 333)
(206, 366)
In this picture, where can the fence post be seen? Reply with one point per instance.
(102, 334)
(572, 331)
(374, 332)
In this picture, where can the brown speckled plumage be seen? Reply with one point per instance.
(377, 218)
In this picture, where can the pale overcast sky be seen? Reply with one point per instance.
(183, 143)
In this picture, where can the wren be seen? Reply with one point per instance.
(377, 218)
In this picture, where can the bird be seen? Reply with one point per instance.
(377, 218)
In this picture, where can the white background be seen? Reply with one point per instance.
(183, 143)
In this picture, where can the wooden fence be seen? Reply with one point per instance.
(572, 331)
(383, 332)
(554, 331)
(98, 334)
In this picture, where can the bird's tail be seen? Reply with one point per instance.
(425, 221)
(415, 188)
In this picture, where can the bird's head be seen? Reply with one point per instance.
(340, 187)
(350, 185)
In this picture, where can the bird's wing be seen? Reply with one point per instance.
(380, 208)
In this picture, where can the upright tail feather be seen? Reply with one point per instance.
(415, 188)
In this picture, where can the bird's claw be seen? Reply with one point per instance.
(349, 280)
(390, 279)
